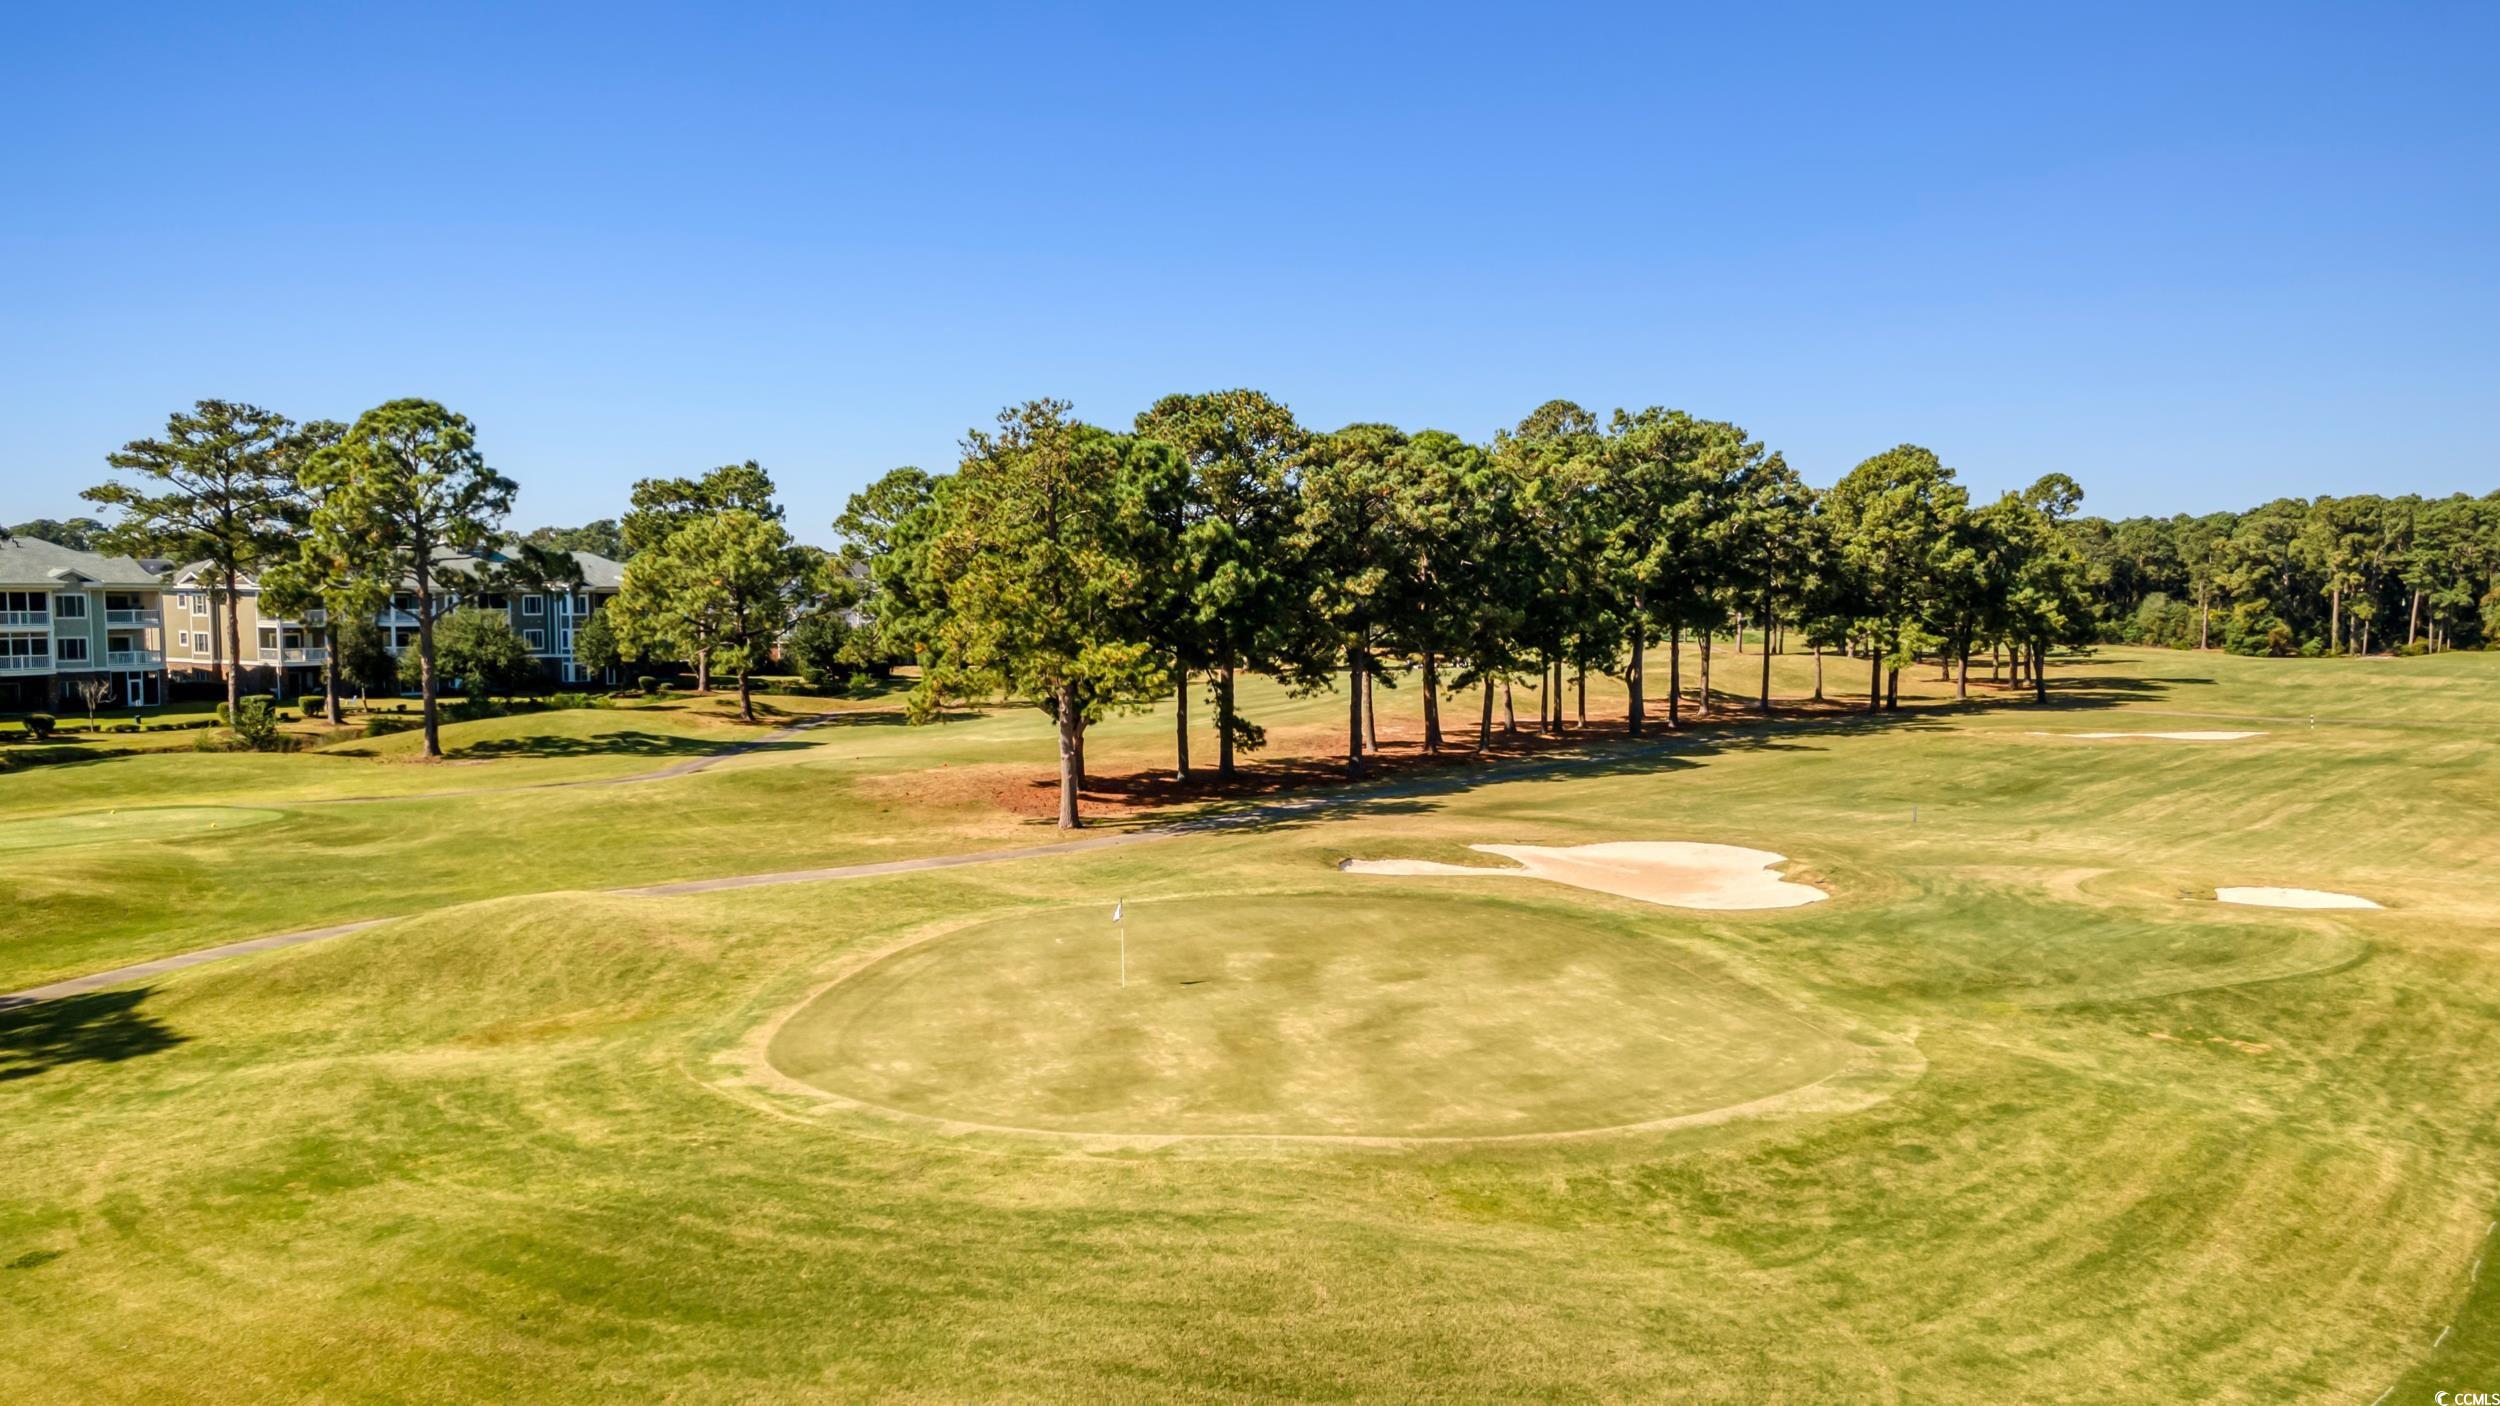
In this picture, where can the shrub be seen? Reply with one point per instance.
(309, 706)
(256, 722)
(571, 700)
(648, 685)
(40, 725)
(384, 724)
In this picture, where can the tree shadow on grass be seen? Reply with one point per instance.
(106, 1027)
(655, 746)
(1402, 778)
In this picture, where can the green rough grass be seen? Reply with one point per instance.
(2155, 1149)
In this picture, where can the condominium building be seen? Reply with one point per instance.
(287, 655)
(68, 619)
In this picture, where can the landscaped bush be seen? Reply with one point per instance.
(572, 700)
(40, 725)
(256, 722)
(309, 706)
(384, 724)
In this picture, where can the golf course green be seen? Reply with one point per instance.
(1305, 1016)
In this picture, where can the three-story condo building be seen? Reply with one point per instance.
(68, 618)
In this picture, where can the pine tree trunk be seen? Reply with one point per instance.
(425, 654)
(1961, 674)
(1510, 710)
(1675, 675)
(1582, 681)
(2413, 621)
(746, 695)
(1371, 714)
(1818, 672)
(1071, 756)
(1180, 723)
(1705, 672)
(1224, 724)
(1354, 712)
(1432, 706)
(2335, 619)
(703, 670)
(1484, 725)
(1874, 681)
(2204, 618)
(234, 662)
(2040, 672)
(1632, 676)
(1766, 657)
(330, 672)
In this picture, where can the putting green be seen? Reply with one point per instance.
(1380, 1017)
(139, 823)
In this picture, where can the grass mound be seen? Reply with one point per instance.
(1303, 1016)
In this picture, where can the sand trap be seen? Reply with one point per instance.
(2164, 736)
(2291, 898)
(1675, 873)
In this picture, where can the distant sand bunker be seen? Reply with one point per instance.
(1675, 873)
(2164, 736)
(2291, 898)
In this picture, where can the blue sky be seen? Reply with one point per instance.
(2196, 256)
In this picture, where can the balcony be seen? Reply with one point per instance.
(25, 619)
(25, 664)
(314, 655)
(130, 617)
(135, 659)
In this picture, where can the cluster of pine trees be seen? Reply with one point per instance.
(1091, 571)
(2304, 576)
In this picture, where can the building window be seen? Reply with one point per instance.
(73, 651)
(533, 605)
(25, 647)
(535, 639)
(69, 607)
(24, 602)
(199, 604)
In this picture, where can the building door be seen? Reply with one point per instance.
(136, 687)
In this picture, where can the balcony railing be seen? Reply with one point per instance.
(135, 659)
(313, 655)
(25, 664)
(130, 617)
(35, 618)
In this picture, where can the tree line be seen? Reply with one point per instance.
(1091, 571)
(2303, 576)
(331, 520)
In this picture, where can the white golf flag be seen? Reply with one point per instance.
(1115, 909)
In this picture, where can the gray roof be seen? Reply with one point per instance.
(598, 573)
(29, 562)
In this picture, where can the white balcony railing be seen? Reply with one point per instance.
(135, 659)
(313, 655)
(130, 617)
(34, 619)
(25, 664)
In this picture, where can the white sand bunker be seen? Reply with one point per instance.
(2291, 898)
(2164, 736)
(1675, 873)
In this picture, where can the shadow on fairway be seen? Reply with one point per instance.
(653, 746)
(1403, 779)
(104, 1028)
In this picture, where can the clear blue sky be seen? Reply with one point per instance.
(2197, 256)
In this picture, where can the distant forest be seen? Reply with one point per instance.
(2302, 576)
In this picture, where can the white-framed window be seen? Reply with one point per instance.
(73, 651)
(535, 639)
(533, 605)
(183, 638)
(69, 607)
(25, 646)
(25, 602)
(199, 602)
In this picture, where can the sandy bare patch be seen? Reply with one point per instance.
(1675, 873)
(2291, 898)
(2162, 736)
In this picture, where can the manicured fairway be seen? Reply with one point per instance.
(2091, 1134)
(1309, 1015)
(124, 826)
